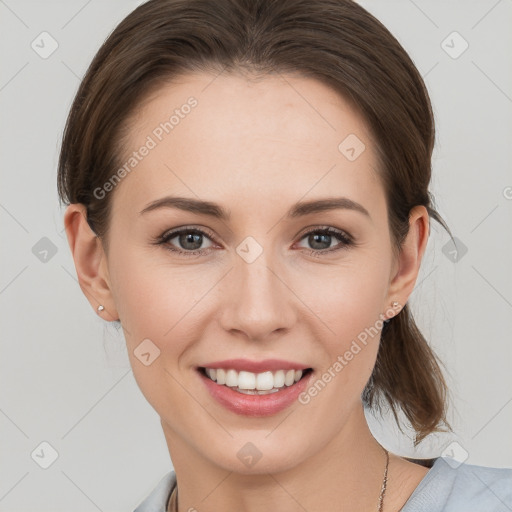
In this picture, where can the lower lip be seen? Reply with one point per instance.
(255, 405)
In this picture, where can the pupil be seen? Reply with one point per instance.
(326, 240)
(189, 237)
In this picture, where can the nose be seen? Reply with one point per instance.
(258, 300)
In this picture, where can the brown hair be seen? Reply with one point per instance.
(335, 41)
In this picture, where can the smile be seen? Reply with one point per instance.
(255, 394)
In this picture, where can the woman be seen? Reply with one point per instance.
(248, 197)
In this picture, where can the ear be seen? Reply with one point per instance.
(90, 261)
(409, 260)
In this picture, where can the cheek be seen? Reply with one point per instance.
(152, 298)
(349, 307)
(155, 303)
(164, 304)
(347, 302)
(345, 298)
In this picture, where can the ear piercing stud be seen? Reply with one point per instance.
(394, 305)
(100, 308)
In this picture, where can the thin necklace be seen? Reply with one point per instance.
(384, 482)
(173, 506)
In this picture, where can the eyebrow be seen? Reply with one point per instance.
(299, 209)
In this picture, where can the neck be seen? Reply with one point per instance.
(346, 474)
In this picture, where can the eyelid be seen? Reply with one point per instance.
(177, 231)
(345, 240)
(330, 229)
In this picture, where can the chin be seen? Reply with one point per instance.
(252, 457)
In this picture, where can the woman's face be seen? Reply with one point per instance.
(257, 286)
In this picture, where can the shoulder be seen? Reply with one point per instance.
(451, 487)
(156, 501)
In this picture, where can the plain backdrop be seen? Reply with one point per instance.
(65, 380)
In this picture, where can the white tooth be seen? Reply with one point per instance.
(221, 376)
(264, 381)
(279, 379)
(256, 392)
(231, 378)
(247, 391)
(290, 377)
(246, 380)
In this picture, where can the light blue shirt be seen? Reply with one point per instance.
(466, 488)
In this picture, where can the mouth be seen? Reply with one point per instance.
(249, 383)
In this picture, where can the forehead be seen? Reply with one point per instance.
(227, 136)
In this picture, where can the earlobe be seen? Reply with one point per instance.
(411, 254)
(90, 261)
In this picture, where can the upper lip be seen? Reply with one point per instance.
(255, 366)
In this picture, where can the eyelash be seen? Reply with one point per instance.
(345, 239)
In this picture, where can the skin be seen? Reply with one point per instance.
(256, 148)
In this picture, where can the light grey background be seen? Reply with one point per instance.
(65, 377)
